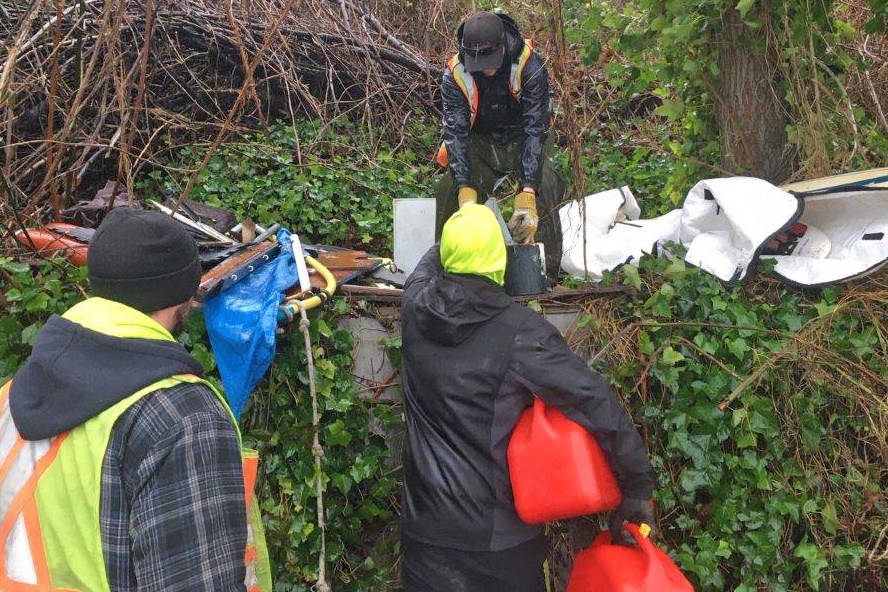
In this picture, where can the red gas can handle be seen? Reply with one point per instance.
(540, 421)
(640, 533)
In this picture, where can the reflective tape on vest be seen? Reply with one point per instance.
(31, 558)
(466, 82)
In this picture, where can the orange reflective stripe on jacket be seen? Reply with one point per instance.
(38, 553)
(466, 83)
(22, 512)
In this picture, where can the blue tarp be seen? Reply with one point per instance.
(242, 320)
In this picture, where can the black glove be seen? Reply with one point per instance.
(636, 511)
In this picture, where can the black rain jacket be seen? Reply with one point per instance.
(499, 115)
(473, 359)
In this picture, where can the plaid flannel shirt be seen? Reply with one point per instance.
(172, 502)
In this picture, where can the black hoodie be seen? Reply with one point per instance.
(472, 361)
(58, 387)
(157, 528)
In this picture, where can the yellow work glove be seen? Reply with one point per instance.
(467, 195)
(524, 221)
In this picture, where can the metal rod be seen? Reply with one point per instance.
(268, 232)
(199, 226)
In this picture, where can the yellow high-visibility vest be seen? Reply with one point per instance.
(50, 490)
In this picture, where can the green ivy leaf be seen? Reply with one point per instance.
(14, 266)
(746, 440)
(37, 303)
(29, 333)
(849, 555)
(671, 109)
(671, 357)
(338, 435)
(694, 479)
(676, 269)
(695, 447)
(342, 482)
(744, 6)
(646, 344)
(323, 328)
(592, 52)
(630, 276)
(831, 522)
(738, 347)
(824, 309)
(815, 561)
(326, 368)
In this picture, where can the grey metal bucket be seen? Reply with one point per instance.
(525, 270)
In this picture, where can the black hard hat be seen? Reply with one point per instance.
(483, 42)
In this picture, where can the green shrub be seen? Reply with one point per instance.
(28, 297)
(763, 409)
(325, 183)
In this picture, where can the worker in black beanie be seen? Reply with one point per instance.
(130, 415)
(143, 259)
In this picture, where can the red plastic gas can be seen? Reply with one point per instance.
(557, 468)
(604, 567)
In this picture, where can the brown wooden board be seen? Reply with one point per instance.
(235, 268)
(342, 264)
(560, 295)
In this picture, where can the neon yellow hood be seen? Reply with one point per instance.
(96, 354)
(116, 319)
(472, 243)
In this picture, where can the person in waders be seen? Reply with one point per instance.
(121, 468)
(473, 360)
(496, 97)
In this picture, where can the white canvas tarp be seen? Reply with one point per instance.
(856, 226)
(614, 234)
(726, 224)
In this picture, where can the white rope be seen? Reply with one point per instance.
(321, 585)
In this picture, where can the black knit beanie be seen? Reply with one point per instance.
(143, 259)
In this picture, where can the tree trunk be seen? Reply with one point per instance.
(750, 113)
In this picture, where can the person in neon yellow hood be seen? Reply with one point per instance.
(472, 243)
(473, 359)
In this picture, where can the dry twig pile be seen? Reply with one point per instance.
(102, 88)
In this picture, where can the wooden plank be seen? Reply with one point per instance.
(558, 295)
(562, 294)
(372, 293)
(342, 264)
(858, 177)
(234, 269)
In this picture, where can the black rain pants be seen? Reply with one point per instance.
(490, 162)
(428, 568)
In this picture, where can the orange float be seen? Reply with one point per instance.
(49, 241)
